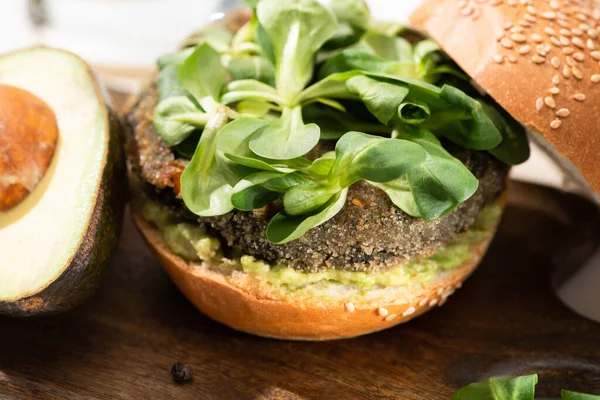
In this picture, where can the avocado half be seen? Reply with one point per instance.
(56, 243)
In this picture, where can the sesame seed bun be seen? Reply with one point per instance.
(538, 60)
(244, 303)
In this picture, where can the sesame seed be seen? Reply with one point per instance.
(555, 62)
(423, 302)
(592, 33)
(563, 112)
(525, 49)
(538, 59)
(516, 29)
(564, 40)
(537, 38)
(561, 15)
(508, 25)
(390, 317)
(555, 4)
(596, 14)
(590, 44)
(549, 101)
(578, 42)
(382, 311)
(448, 294)
(458, 285)
(529, 17)
(498, 58)
(568, 50)
(467, 11)
(595, 78)
(584, 26)
(566, 72)
(565, 32)
(581, 17)
(555, 124)
(571, 61)
(512, 59)
(433, 302)
(554, 90)
(556, 79)
(524, 23)
(349, 306)
(550, 31)
(576, 31)
(539, 104)
(409, 311)
(541, 50)
(531, 10)
(548, 14)
(563, 23)
(579, 56)
(577, 73)
(595, 55)
(555, 41)
(440, 291)
(507, 43)
(579, 97)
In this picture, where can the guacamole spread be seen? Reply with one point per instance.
(193, 243)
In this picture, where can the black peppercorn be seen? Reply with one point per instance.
(181, 372)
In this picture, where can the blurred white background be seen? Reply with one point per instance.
(123, 38)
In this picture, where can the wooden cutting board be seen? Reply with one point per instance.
(505, 320)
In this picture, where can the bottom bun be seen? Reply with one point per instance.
(244, 303)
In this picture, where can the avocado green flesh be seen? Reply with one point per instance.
(40, 237)
(192, 243)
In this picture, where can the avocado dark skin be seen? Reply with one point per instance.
(81, 277)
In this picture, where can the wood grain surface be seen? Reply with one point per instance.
(505, 320)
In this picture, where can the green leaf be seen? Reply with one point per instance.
(333, 86)
(171, 59)
(321, 167)
(298, 29)
(400, 193)
(441, 182)
(387, 47)
(284, 228)
(479, 132)
(216, 36)
(168, 84)
(249, 195)
(361, 156)
(414, 112)
(566, 395)
(252, 67)
(265, 43)
(187, 148)
(503, 388)
(514, 148)
(306, 198)
(204, 186)
(381, 98)
(259, 163)
(334, 124)
(176, 117)
(354, 19)
(252, 108)
(349, 60)
(249, 89)
(425, 49)
(203, 75)
(287, 137)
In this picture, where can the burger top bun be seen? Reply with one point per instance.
(539, 59)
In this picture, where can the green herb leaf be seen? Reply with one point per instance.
(284, 228)
(477, 133)
(298, 29)
(252, 67)
(334, 124)
(321, 167)
(349, 60)
(304, 199)
(388, 47)
(333, 86)
(400, 192)
(361, 156)
(216, 36)
(176, 117)
(504, 388)
(204, 186)
(354, 19)
(187, 148)
(440, 183)
(381, 98)
(173, 59)
(249, 89)
(250, 195)
(251, 108)
(514, 148)
(287, 137)
(566, 395)
(203, 75)
(168, 84)
(414, 112)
